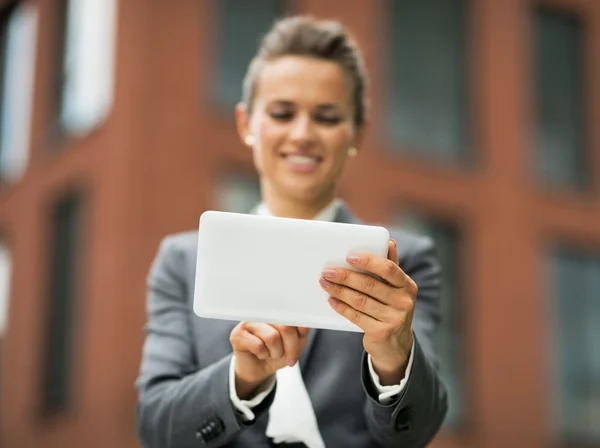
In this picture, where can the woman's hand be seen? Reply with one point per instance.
(382, 307)
(262, 349)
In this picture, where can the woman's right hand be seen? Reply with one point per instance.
(262, 349)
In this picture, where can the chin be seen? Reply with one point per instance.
(305, 191)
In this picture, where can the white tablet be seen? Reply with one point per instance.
(267, 269)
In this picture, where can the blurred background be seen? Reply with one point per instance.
(116, 128)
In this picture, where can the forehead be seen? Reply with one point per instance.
(304, 80)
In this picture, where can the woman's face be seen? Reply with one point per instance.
(302, 126)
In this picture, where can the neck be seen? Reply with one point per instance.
(293, 208)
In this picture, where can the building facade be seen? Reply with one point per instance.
(116, 129)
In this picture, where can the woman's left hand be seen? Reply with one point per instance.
(382, 307)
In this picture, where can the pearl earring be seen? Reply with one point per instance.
(250, 140)
(352, 151)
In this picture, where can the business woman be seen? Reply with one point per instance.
(218, 383)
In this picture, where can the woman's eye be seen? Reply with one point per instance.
(281, 116)
(331, 120)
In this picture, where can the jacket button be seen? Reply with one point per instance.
(403, 420)
(210, 430)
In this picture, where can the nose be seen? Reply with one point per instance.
(302, 132)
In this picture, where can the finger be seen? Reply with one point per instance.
(254, 345)
(244, 341)
(383, 267)
(393, 251)
(303, 332)
(361, 282)
(292, 343)
(270, 337)
(359, 300)
(364, 322)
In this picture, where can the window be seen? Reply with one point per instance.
(63, 291)
(560, 145)
(241, 25)
(87, 64)
(427, 105)
(5, 276)
(238, 194)
(18, 26)
(448, 343)
(575, 286)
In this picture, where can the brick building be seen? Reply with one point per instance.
(116, 129)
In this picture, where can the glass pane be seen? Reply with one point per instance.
(560, 158)
(18, 50)
(592, 336)
(577, 315)
(242, 24)
(88, 64)
(428, 66)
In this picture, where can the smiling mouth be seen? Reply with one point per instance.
(302, 163)
(302, 159)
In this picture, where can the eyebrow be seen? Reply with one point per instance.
(327, 107)
(282, 103)
(320, 107)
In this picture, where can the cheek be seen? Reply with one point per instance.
(268, 135)
(340, 142)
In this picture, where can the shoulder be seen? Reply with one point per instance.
(176, 251)
(181, 242)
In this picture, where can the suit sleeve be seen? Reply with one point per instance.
(178, 404)
(415, 417)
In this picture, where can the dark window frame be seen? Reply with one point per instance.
(59, 77)
(65, 266)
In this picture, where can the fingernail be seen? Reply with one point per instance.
(329, 273)
(326, 284)
(352, 259)
(292, 363)
(333, 301)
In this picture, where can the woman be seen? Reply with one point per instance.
(217, 383)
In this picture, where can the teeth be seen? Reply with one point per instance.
(302, 160)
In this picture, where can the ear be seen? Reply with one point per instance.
(242, 121)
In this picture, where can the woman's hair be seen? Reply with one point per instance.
(306, 36)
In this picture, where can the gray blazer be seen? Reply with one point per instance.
(183, 381)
